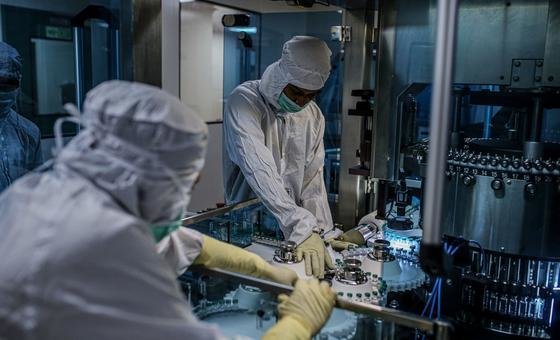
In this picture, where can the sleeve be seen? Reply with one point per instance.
(314, 193)
(180, 248)
(245, 144)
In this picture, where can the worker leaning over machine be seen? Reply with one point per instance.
(79, 240)
(273, 138)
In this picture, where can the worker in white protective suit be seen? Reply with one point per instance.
(78, 243)
(273, 137)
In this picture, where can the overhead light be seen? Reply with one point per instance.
(248, 30)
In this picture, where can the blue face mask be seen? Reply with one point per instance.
(159, 231)
(288, 105)
(7, 100)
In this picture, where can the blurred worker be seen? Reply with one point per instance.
(273, 137)
(20, 140)
(79, 241)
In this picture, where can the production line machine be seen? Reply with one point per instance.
(461, 148)
(483, 105)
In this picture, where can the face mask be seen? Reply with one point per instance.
(288, 105)
(7, 99)
(159, 231)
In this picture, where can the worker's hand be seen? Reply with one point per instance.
(304, 312)
(339, 245)
(217, 254)
(353, 236)
(315, 255)
(279, 274)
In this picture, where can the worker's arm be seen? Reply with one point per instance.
(314, 194)
(245, 143)
(184, 247)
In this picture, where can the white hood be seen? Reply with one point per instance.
(305, 63)
(134, 135)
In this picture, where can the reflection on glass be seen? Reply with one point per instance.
(43, 33)
(20, 150)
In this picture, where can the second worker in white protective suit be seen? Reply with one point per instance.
(273, 138)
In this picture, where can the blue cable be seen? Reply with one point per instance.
(430, 299)
(438, 282)
(439, 301)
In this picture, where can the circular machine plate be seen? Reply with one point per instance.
(341, 324)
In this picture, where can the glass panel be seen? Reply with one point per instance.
(43, 34)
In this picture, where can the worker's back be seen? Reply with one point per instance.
(75, 265)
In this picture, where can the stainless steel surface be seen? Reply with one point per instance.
(493, 33)
(439, 120)
(381, 251)
(367, 231)
(78, 66)
(147, 41)
(532, 150)
(507, 219)
(440, 329)
(351, 273)
(382, 161)
(551, 67)
(286, 253)
(357, 63)
(219, 211)
(170, 46)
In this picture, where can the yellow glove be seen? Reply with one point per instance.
(315, 255)
(217, 254)
(304, 312)
(353, 236)
(339, 245)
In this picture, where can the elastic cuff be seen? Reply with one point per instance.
(298, 238)
(288, 328)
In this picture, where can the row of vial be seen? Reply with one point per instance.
(507, 304)
(509, 269)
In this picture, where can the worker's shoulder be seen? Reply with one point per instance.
(246, 101)
(247, 92)
(25, 125)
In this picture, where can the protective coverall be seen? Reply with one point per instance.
(77, 241)
(20, 140)
(279, 156)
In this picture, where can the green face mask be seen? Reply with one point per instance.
(288, 105)
(159, 231)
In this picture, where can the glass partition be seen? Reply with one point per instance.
(246, 306)
(65, 48)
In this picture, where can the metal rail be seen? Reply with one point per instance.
(218, 211)
(439, 119)
(440, 329)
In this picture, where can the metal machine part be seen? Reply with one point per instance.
(351, 273)
(397, 269)
(286, 253)
(504, 201)
(367, 230)
(381, 251)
